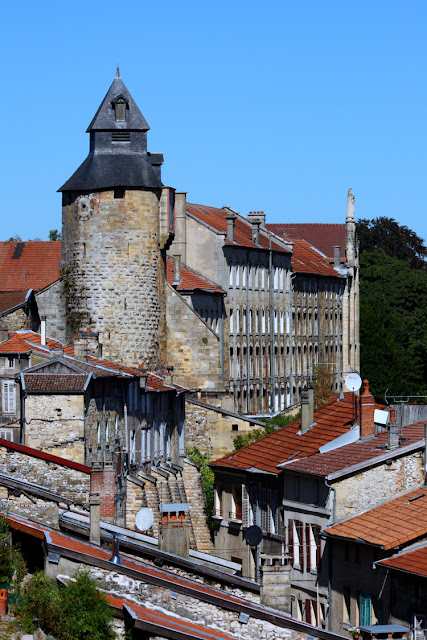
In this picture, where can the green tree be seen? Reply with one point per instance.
(324, 380)
(271, 425)
(54, 235)
(393, 324)
(394, 239)
(77, 612)
(202, 460)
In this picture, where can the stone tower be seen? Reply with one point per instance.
(117, 221)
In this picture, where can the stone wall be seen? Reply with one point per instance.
(193, 348)
(211, 431)
(14, 322)
(64, 481)
(56, 424)
(368, 488)
(115, 274)
(51, 304)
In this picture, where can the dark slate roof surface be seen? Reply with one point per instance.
(55, 382)
(104, 119)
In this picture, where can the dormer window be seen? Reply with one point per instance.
(120, 106)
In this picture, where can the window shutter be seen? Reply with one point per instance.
(364, 609)
(308, 610)
(308, 546)
(291, 538)
(263, 510)
(9, 403)
(300, 532)
(270, 524)
(316, 531)
(276, 511)
(245, 507)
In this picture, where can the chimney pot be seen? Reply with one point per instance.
(307, 408)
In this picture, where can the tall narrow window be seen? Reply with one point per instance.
(8, 397)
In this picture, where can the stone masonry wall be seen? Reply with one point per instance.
(193, 348)
(56, 424)
(66, 482)
(115, 274)
(13, 322)
(210, 431)
(51, 304)
(367, 489)
(192, 609)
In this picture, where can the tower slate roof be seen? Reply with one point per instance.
(118, 155)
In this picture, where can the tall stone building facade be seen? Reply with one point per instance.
(116, 224)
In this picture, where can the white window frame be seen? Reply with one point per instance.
(9, 396)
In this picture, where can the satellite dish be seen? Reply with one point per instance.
(353, 382)
(253, 535)
(144, 519)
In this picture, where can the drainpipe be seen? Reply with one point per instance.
(330, 557)
(248, 337)
(291, 328)
(271, 305)
(23, 395)
(341, 394)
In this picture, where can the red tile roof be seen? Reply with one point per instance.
(323, 236)
(190, 280)
(409, 561)
(55, 382)
(28, 265)
(307, 259)
(216, 218)
(35, 453)
(391, 524)
(332, 421)
(11, 299)
(27, 341)
(91, 554)
(323, 464)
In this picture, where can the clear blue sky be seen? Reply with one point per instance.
(275, 106)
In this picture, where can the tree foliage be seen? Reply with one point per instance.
(77, 612)
(54, 234)
(207, 475)
(393, 324)
(396, 240)
(271, 424)
(324, 381)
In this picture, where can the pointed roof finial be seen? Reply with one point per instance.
(117, 72)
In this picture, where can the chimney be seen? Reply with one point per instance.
(102, 482)
(307, 408)
(231, 219)
(176, 271)
(43, 331)
(255, 231)
(257, 216)
(86, 343)
(393, 432)
(95, 518)
(337, 257)
(367, 410)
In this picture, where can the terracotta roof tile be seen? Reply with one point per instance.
(28, 265)
(190, 280)
(332, 421)
(323, 464)
(55, 382)
(323, 236)
(410, 561)
(216, 218)
(26, 341)
(307, 259)
(393, 523)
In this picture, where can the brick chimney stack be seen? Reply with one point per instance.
(102, 483)
(231, 220)
(367, 410)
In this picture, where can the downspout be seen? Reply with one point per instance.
(222, 353)
(248, 337)
(341, 395)
(271, 312)
(291, 327)
(23, 395)
(330, 556)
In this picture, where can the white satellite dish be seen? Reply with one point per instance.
(353, 382)
(144, 519)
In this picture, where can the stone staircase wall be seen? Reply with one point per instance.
(196, 500)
